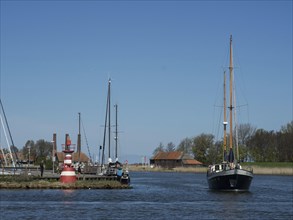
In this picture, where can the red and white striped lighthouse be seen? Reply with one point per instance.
(68, 173)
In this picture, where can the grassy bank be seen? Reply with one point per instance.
(270, 164)
(271, 168)
(135, 168)
(258, 168)
(25, 182)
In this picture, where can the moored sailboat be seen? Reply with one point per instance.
(9, 161)
(229, 174)
(112, 168)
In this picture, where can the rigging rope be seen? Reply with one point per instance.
(8, 129)
(86, 141)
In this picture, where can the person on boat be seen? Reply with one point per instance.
(79, 169)
(119, 173)
(232, 166)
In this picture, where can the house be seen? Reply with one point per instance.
(83, 157)
(173, 159)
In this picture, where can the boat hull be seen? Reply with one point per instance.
(125, 179)
(231, 180)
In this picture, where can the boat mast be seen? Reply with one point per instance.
(105, 127)
(13, 146)
(78, 139)
(231, 155)
(116, 133)
(109, 122)
(8, 145)
(225, 121)
(236, 130)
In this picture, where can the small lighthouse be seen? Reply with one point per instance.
(68, 173)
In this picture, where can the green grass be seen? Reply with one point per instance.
(17, 178)
(29, 182)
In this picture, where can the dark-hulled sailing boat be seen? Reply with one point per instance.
(229, 175)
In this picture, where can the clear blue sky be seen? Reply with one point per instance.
(166, 60)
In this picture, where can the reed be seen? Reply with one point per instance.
(272, 170)
(134, 168)
(257, 169)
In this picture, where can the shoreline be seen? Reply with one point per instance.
(258, 170)
(57, 185)
(33, 182)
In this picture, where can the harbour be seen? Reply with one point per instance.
(145, 110)
(155, 194)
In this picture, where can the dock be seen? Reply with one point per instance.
(49, 176)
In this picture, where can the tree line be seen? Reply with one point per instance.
(257, 145)
(34, 152)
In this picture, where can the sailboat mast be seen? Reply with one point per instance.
(109, 115)
(231, 95)
(225, 120)
(5, 118)
(78, 139)
(105, 128)
(231, 154)
(116, 132)
(236, 131)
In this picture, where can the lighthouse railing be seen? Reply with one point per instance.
(70, 148)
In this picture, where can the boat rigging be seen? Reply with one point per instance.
(229, 175)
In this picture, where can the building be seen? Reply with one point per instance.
(83, 157)
(173, 159)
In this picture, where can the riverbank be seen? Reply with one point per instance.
(256, 169)
(26, 182)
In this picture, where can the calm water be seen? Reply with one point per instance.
(155, 196)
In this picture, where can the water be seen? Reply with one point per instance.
(155, 196)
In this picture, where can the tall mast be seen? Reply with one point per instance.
(116, 133)
(109, 115)
(231, 155)
(236, 131)
(105, 128)
(225, 120)
(78, 139)
(6, 122)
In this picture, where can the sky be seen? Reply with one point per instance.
(166, 61)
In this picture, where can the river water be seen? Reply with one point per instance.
(155, 195)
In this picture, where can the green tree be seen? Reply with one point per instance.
(29, 150)
(215, 153)
(43, 148)
(262, 146)
(39, 151)
(245, 132)
(185, 146)
(201, 145)
(285, 140)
